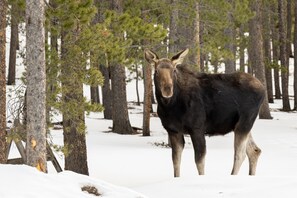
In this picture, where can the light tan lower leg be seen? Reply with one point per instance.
(253, 152)
(240, 143)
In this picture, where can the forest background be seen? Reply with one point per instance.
(97, 42)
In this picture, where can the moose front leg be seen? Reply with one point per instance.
(177, 144)
(198, 140)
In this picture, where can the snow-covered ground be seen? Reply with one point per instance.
(135, 162)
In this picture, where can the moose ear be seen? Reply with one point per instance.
(150, 56)
(179, 57)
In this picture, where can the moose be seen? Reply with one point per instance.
(202, 105)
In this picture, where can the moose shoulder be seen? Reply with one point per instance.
(206, 104)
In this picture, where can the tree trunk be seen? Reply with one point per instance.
(95, 97)
(258, 57)
(173, 38)
(120, 116)
(197, 53)
(13, 45)
(267, 50)
(295, 59)
(73, 120)
(3, 11)
(106, 92)
(289, 29)
(241, 50)
(137, 84)
(230, 46)
(283, 53)
(275, 50)
(36, 85)
(147, 74)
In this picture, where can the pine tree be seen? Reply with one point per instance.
(78, 41)
(36, 85)
(3, 11)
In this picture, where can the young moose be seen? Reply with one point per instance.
(206, 104)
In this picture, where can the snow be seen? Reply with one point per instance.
(138, 165)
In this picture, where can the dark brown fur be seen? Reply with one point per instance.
(208, 104)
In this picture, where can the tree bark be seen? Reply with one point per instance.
(283, 53)
(73, 121)
(230, 46)
(289, 29)
(106, 92)
(36, 85)
(3, 11)
(295, 59)
(267, 50)
(258, 58)
(241, 50)
(197, 53)
(147, 99)
(173, 38)
(120, 116)
(275, 50)
(13, 45)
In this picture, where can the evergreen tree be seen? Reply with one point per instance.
(78, 41)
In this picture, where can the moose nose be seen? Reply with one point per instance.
(167, 89)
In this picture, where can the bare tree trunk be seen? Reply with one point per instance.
(283, 53)
(137, 84)
(13, 45)
(241, 50)
(230, 46)
(95, 97)
(258, 58)
(173, 38)
(147, 99)
(289, 29)
(36, 85)
(3, 11)
(120, 116)
(106, 92)
(197, 53)
(295, 59)
(267, 50)
(275, 50)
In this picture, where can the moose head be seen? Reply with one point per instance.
(165, 70)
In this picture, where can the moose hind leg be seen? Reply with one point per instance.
(253, 153)
(240, 145)
(177, 144)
